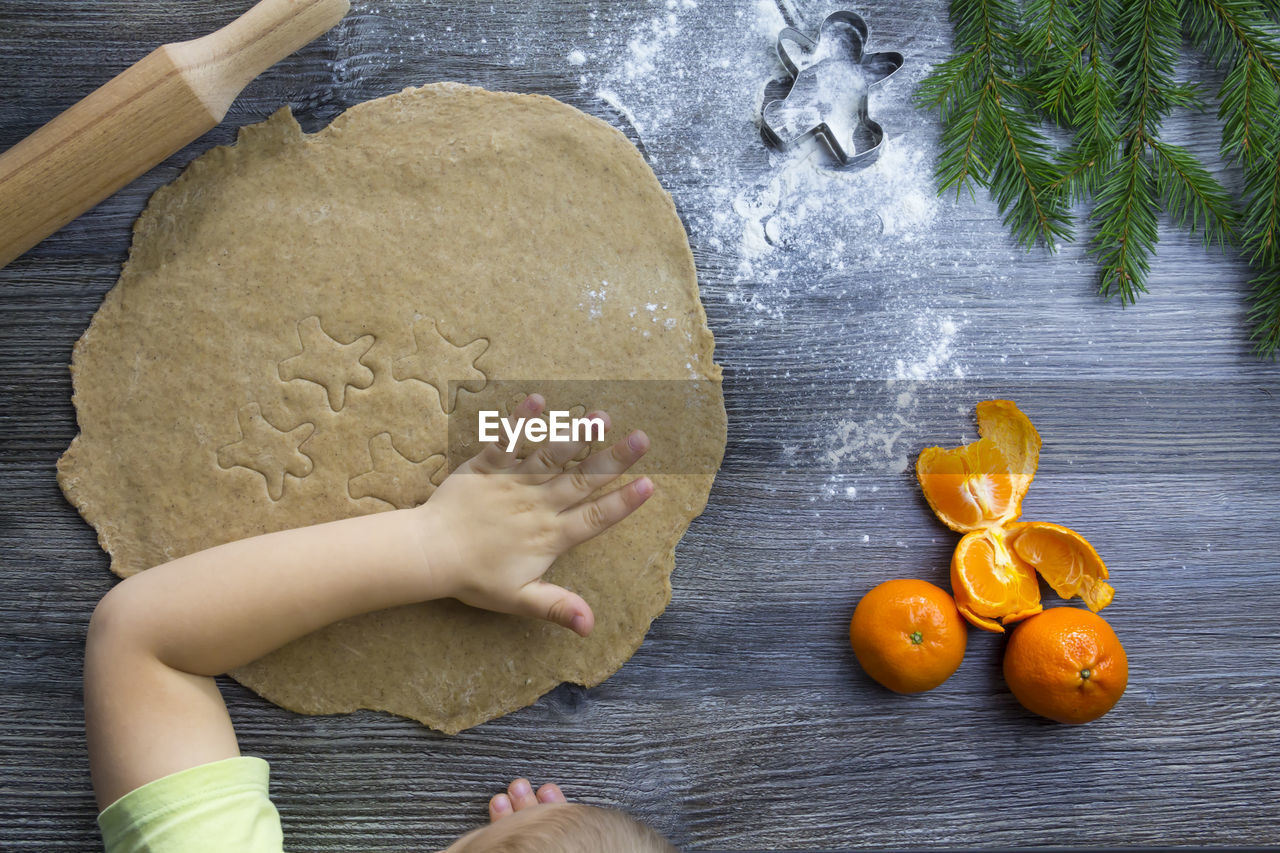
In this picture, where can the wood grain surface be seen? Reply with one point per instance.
(743, 722)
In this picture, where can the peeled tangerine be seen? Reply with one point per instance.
(982, 484)
(990, 583)
(977, 490)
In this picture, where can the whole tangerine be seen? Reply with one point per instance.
(908, 635)
(1066, 664)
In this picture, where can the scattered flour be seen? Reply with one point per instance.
(576, 57)
(767, 21)
(804, 195)
(643, 50)
(781, 223)
(612, 99)
(878, 439)
(593, 305)
(934, 359)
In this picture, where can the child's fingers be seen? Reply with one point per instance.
(599, 469)
(521, 794)
(551, 793)
(496, 456)
(550, 459)
(530, 406)
(594, 517)
(556, 604)
(499, 806)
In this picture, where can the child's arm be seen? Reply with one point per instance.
(485, 537)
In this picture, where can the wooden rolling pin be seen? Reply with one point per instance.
(149, 111)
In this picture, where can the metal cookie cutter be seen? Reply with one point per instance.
(827, 99)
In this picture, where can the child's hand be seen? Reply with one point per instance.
(485, 537)
(497, 523)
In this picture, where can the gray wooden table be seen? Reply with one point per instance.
(848, 344)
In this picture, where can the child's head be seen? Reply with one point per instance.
(564, 828)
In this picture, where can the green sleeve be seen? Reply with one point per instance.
(212, 808)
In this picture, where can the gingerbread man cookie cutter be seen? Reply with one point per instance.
(831, 78)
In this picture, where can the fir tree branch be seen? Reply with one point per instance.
(1125, 213)
(1148, 39)
(1262, 211)
(1079, 171)
(1191, 195)
(1231, 29)
(1103, 69)
(1092, 111)
(1147, 33)
(1244, 36)
(1049, 42)
(1049, 27)
(987, 139)
(1022, 182)
(961, 165)
(948, 82)
(1265, 314)
(1249, 101)
(1238, 33)
(1271, 8)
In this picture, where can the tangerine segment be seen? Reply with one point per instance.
(1066, 664)
(969, 488)
(908, 635)
(1065, 559)
(990, 584)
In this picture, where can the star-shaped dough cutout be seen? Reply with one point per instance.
(328, 362)
(442, 364)
(396, 479)
(269, 451)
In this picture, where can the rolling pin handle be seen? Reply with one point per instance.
(218, 66)
(146, 113)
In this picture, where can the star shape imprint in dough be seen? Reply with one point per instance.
(395, 479)
(442, 364)
(328, 362)
(269, 451)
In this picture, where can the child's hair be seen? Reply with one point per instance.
(577, 828)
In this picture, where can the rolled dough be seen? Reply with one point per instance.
(297, 318)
